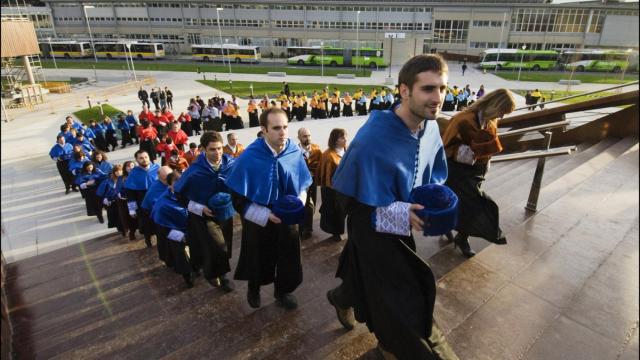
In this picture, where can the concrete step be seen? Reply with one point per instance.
(535, 284)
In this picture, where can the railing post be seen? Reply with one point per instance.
(536, 185)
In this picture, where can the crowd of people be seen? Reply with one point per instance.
(191, 198)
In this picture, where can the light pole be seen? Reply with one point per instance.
(226, 41)
(52, 55)
(220, 32)
(135, 78)
(524, 47)
(321, 58)
(504, 19)
(86, 18)
(357, 39)
(626, 64)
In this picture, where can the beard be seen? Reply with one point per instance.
(424, 110)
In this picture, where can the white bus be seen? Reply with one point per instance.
(66, 49)
(598, 60)
(232, 52)
(139, 50)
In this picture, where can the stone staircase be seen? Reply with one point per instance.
(564, 287)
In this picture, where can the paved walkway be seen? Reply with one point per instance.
(36, 215)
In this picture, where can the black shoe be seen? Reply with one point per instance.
(101, 219)
(75, 189)
(147, 240)
(188, 279)
(449, 236)
(132, 235)
(66, 192)
(253, 297)
(197, 273)
(306, 234)
(463, 243)
(286, 300)
(337, 238)
(345, 316)
(226, 285)
(215, 282)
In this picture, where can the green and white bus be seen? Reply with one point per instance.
(597, 60)
(232, 52)
(331, 56)
(515, 58)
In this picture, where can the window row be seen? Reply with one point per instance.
(406, 9)
(450, 31)
(562, 20)
(487, 23)
(483, 45)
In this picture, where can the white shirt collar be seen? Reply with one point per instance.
(273, 151)
(233, 148)
(215, 166)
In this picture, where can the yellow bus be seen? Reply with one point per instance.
(139, 50)
(66, 49)
(232, 52)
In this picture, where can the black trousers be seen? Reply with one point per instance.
(145, 102)
(253, 119)
(173, 252)
(210, 244)
(331, 216)
(65, 174)
(270, 254)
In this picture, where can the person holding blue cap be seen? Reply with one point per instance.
(269, 183)
(385, 284)
(211, 230)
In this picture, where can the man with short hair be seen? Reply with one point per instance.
(210, 229)
(270, 171)
(155, 190)
(312, 154)
(192, 154)
(384, 281)
(179, 137)
(233, 147)
(138, 182)
(61, 154)
(143, 95)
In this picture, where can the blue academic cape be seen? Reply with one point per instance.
(123, 125)
(131, 120)
(87, 147)
(68, 137)
(168, 212)
(98, 129)
(104, 166)
(154, 192)
(380, 164)
(89, 134)
(141, 179)
(200, 181)
(75, 166)
(262, 177)
(61, 151)
(96, 175)
(109, 189)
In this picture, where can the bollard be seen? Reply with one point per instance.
(89, 102)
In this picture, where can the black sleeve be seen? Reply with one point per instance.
(239, 202)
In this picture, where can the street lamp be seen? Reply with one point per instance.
(128, 44)
(357, 39)
(220, 32)
(321, 58)
(52, 55)
(226, 41)
(626, 64)
(521, 60)
(86, 18)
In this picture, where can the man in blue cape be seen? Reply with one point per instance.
(210, 234)
(269, 169)
(61, 154)
(155, 190)
(138, 182)
(384, 282)
(170, 217)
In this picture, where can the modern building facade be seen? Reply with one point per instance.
(462, 27)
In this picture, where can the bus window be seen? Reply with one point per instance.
(159, 47)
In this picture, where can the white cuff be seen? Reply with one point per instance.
(176, 235)
(83, 186)
(303, 196)
(106, 202)
(195, 208)
(393, 219)
(257, 214)
(132, 206)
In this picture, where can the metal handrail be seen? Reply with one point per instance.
(565, 150)
(535, 128)
(578, 95)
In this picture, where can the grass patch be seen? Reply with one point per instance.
(93, 113)
(560, 94)
(241, 88)
(593, 78)
(203, 67)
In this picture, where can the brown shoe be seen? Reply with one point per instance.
(345, 316)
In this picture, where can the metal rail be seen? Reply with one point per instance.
(554, 125)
